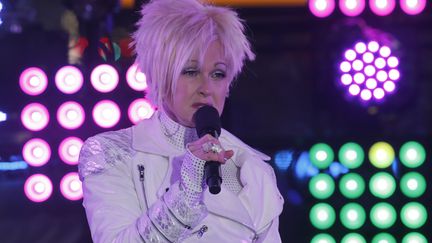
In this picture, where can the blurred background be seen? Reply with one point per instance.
(339, 96)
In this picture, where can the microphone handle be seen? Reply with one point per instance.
(212, 176)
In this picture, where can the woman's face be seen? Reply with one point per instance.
(198, 85)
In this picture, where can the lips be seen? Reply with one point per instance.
(198, 105)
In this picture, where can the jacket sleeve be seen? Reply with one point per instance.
(271, 234)
(112, 205)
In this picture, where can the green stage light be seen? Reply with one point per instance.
(351, 155)
(383, 238)
(383, 215)
(381, 155)
(322, 216)
(353, 238)
(321, 155)
(413, 215)
(323, 238)
(352, 216)
(382, 185)
(413, 184)
(321, 186)
(412, 154)
(414, 237)
(352, 185)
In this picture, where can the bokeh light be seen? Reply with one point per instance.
(413, 184)
(383, 215)
(71, 186)
(352, 216)
(382, 7)
(413, 7)
(382, 185)
(136, 79)
(352, 7)
(69, 79)
(104, 78)
(70, 115)
(69, 150)
(36, 152)
(321, 186)
(352, 185)
(106, 113)
(321, 8)
(322, 216)
(381, 155)
(35, 116)
(353, 238)
(383, 238)
(140, 109)
(413, 215)
(321, 155)
(38, 188)
(323, 238)
(412, 154)
(414, 237)
(351, 155)
(33, 81)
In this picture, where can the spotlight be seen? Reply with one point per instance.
(322, 216)
(352, 7)
(321, 186)
(70, 115)
(136, 79)
(36, 152)
(38, 188)
(321, 155)
(412, 154)
(321, 8)
(381, 155)
(382, 185)
(104, 78)
(382, 7)
(35, 117)
(71, 186)
(69, 79)
(33, 81)
(69, 150)
(106, 113)
(383, 215)
(352, 216)
(413, 184)
(413, 215)
(413, 7)
(352, 185)
(351, 155)
(140, 109)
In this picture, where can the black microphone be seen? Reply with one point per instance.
(207, 121)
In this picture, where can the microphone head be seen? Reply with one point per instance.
(207, 121)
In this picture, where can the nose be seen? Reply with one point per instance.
(205, 88)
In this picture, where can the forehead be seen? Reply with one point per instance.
(213, 52)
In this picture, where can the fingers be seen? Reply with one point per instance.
(209, 148)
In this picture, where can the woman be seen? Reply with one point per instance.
(145, 183)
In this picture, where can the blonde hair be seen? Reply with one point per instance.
(171, 31)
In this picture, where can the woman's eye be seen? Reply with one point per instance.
(218, 75)
(190, 72)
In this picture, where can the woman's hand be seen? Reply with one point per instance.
(208, 148)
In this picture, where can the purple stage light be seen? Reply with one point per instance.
(413, 7)
(69, 79)
(71, 186)
(136, 79)
(38, 188)
(352, 7)
(35, 117)
(382, 7)
(36, 152)
(104, 78)
(373, 73)
(321, 8)
(33, 81)
(106, 113)
(70, 115)
(69, 150)
(140, 109)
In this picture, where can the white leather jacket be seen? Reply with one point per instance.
(127, 175)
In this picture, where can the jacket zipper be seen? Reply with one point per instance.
(141, 177)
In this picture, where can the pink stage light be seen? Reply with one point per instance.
(69, 79)
(35, 117)
(136, 79)
(104, 78)
(33, 81)
(38, 188)
(71, 186)
(413, 7)
(106, 113)
(69, 150)
(140, 109)
(70, 115)
(352, 7)
(382, 7)
(36, 152)
(321, 8)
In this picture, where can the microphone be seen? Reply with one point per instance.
(207, 121)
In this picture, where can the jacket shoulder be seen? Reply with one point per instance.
(104, 150)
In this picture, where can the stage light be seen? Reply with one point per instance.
(414, 237)
(69, 150)
(382, 7)
(140, 109)
(36, 152)
(352, 7)
(383, 215)
(352, 185)
(69, 79)
(413, 184)
(283, 159)
(381, 155)
(352, 216)
(104, 78)
(106, 113)
(321, 8)
(382, 185)
(321, 186)
(323, 238)
(372, 67)
(321, 155)
(38, 188)
(412, 154)
(303, 168)
(136, 79)
(351, 155)
(33, 81)
(413, 215)
(412, 7)
(353, 238)
(383, 238)
(322, 216)
(71, 186)
(35, 117)
(70, 115)
(3, 116)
